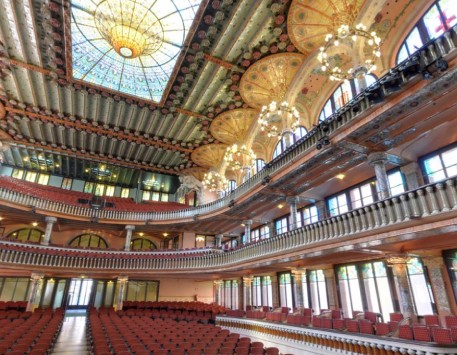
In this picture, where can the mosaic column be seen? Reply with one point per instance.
(33, 297)
(122, 282)
(413, 175)
(330, 281)
(218, 240)
(274, 291)
(48, 231)
(128, 236)
(405, 298)
(438, 278)
(247, 299)
(240, 294)
(272, 229)
(378, 161)
(217, 292)
(297, 281)
(247, 230)
(292, 201)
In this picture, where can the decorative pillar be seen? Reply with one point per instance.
(438, 278)
(274, 291)
(413, 175)
(297, 281)
(247, 230)
(247, 299)
(360, 75)
(218, 240)
(404, 292)
(33, 297)
(378, 161)
(292, 201)
(272, 229)
(330, 281)
(321, 209)
(128, 236)
(217, 292)
(48, 231)
(122, 282)
(240, 294)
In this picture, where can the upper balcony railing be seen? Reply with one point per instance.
(428, 57)
(428, 203)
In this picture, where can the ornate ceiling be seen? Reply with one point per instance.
(77, 81)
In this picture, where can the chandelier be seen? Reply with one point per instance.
(213, 181)
(239, 157)
(276, 118)
(130, 27)
(350, 35)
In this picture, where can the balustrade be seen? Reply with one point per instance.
(294, 339)
(424, 202)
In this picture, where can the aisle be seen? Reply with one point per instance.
(72, 337)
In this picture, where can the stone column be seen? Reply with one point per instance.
(413, 176)
(247, 230)
(438, 279)
(33, 297)
(297, 279)
(275, 301)
(128, 236)
(330, 281)
(122, 282)
(378, 161)
(405, 296)
(218, 240)
(247, 299)
(48, 231)
(292, 201)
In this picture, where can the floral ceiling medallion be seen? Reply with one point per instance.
(130, 46)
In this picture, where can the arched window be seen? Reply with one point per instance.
(259, 165)
(231, 186)
(142, 244)
(27, 235)
(439, 18)
(89, 241)
(342, 95)
(294, 137)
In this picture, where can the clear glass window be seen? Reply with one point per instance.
(422, 293)
(66, 183)
(43, 179)
(396, 183)
(18, 174)
(31, 176)
(109, 190)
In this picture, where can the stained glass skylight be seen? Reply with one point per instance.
(130, 46)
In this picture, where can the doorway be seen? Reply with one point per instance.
(79, 293)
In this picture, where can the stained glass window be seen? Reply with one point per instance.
(129, 46)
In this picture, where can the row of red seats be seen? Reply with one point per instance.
(70, 197)
(143, 335)
(35, 335)
(174, 305)
(366, 323)
(14, 305)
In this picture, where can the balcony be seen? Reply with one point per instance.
(426, 209)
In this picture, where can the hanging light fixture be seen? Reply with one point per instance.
(277, 118)
(348, 34)
(214, 181)
(239, 157)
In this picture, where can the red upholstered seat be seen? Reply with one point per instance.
(442, 335)
(421, 333)
(405, 332)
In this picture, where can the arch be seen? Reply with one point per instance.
(33, 235)
(88, 240)
(142, 244)
(283, 143)
(343, 93)
(438, 18)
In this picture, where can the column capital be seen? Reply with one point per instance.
(292, 199)
(130, 227)
(433, 262)
(37, 276)
(377, 158)
(50, 219)
(122, 279)
(247, 222)
(247, 280)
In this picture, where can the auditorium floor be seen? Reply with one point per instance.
(72, 338)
